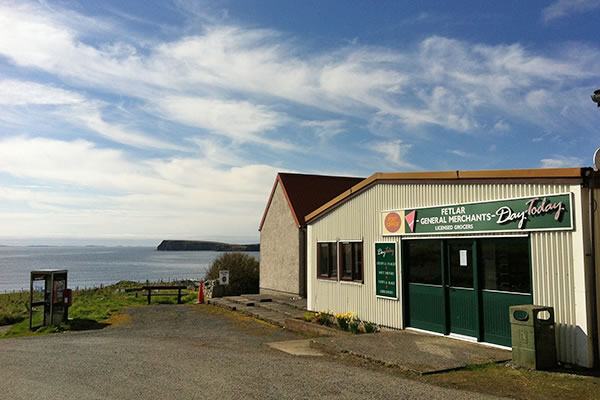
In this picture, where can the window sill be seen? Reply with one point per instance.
(356, 283)
(331, 280)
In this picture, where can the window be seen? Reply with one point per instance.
(506, 264)
(327, 260)
(351, 261)
(424, 261)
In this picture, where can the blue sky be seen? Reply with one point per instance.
(131, 122)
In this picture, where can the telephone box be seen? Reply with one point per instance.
(49, 297)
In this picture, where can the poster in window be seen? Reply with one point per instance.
(386, 270)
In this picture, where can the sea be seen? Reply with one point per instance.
(94, 266)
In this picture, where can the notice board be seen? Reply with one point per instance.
(386, 270)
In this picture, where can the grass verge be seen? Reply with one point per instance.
(91, 309)
(507, 380)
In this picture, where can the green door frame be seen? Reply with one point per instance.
(447, 284)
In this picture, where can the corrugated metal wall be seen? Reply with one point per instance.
(359, 218)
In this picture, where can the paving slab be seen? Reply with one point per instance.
(416, 352)
(296, 347)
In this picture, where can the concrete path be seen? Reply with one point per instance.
(420, 353)
(412, 351)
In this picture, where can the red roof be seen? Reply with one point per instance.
(306, 193)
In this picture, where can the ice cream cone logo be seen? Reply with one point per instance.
(410, 220)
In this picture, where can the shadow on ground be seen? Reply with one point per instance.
(82, 324)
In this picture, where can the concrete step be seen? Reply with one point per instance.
(239, 305)
(258, 298)
(284, 309)
(241, 300)
(273, 309)
(298, 303)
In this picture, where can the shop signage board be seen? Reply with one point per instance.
(386, 270)
(535, 213)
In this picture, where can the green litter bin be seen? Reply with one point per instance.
(533, 337)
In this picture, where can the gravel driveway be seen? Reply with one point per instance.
(193, 352)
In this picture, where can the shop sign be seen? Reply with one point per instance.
(536, 213)
(386, 270)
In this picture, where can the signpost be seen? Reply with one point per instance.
(535, 213)
(224, 277)
(386, 270)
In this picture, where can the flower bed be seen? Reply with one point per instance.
(346, 322)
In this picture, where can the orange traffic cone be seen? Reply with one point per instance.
(201, 293)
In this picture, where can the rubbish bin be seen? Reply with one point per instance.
(533, 343)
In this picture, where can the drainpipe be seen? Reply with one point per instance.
(593, 288)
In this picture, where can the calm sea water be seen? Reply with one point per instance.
(93, 266)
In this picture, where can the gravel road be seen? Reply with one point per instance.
(192, 352)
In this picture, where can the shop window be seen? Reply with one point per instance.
(351, 261)
(327, 260)
(424, 261)
(505, 264)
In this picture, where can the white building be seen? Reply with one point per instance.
(449, 252)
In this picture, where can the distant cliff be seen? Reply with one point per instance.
(201, 245)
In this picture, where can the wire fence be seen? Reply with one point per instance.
(180, 281)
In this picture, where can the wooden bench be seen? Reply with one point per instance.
(149, 293)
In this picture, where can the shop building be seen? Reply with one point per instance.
(449, 252)
(283, 229)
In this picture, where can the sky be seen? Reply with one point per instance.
(132, 122)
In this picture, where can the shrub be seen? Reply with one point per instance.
(323, 318)
(369, 327)
(309, 316)
(343, 320)
(354, 325)
(243, 273)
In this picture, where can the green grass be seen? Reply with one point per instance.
(90, 308)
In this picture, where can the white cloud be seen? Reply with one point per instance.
(460, 153)
(502, 126)
(559, 161)
(442, 82)
(94, 121)
(71, 107)
(325, 129)
(539, 98)
(15, 92)
(240, 120)
(394, 152)
(90, 191)
(562, 8)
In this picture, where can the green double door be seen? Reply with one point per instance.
(465, 286)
